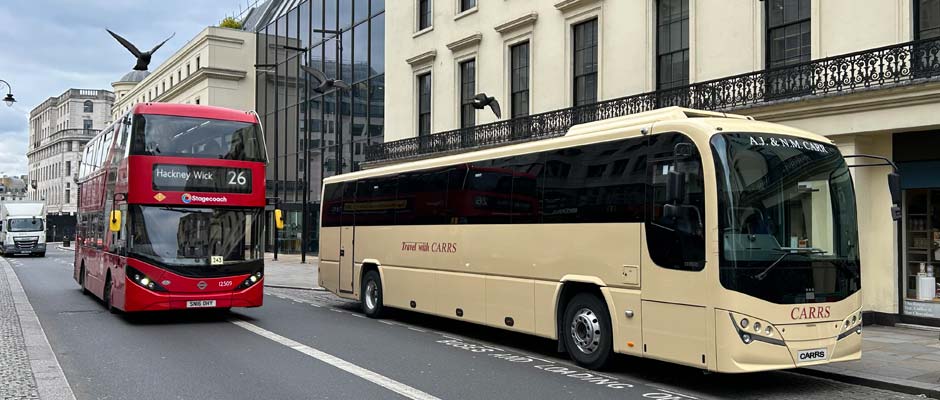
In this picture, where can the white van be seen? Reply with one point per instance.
(23, 228)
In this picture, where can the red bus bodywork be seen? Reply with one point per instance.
(97, 264)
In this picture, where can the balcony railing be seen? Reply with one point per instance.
(847, 73)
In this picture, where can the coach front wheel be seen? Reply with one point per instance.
(371, 295)
(587, 331)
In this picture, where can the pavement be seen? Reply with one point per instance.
(430, 355)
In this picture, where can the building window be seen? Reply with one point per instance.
(179, 76)
(467, 4)
(585, 62)
(86, 124)
(198, 64)
(68, 168)
(519, 79)
(68, 196)
(197, 100)
(187, 70)
(927, 19)
(467, 91)
(788, 32)
(88, 106)
(672, 44)
(424, 14)
(424, 104)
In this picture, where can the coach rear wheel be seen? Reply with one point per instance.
(371, 295)
(587, 331)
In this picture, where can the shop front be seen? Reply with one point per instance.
(918, 157)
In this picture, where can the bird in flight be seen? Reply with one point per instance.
(325, 83)
(481, 100)
(143, 58)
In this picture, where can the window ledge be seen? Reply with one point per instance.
(423, 31)
(467, 12)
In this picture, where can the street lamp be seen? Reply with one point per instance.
(9, 97)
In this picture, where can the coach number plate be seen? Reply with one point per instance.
(804, 356)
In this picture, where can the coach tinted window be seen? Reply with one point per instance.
(594, 183)
(675, 229)
(424, 197)
(376, 202)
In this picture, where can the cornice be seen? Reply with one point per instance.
(517, 23)
(469, 41)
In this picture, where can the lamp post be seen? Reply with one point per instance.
(9, 97)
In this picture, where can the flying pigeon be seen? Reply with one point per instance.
(481, 100)
(143, 58)
(325, 83)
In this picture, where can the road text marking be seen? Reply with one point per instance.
(381, 380)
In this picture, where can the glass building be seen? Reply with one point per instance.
(315, 132)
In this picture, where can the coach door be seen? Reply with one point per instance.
(673, 265)
(347, 238)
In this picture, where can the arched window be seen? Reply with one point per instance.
(89, 106)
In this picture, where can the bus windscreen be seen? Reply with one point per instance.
(174, 136)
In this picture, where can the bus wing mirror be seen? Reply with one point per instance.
(115, 223)
(278, 219)
(120, 196)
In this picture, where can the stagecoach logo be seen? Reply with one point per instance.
(159, 196)
(788, 143)
(425, 247)
(202, 285)
(189, 198)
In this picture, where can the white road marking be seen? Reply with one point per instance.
(417, 330)
(381, 380)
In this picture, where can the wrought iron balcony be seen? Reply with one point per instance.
(847, 73)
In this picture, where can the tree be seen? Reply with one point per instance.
(230, 22)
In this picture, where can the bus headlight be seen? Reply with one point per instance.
(757, 327)
(744, 323)
(143, 280)
(251, 280)
(768, 331)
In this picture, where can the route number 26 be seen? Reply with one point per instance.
(237, 178)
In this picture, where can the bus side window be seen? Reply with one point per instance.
(675, 227)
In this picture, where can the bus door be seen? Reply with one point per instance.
(347, 238)
(673, 272)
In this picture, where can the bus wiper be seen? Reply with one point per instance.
(787, 251)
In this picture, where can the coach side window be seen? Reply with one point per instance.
(675, 228)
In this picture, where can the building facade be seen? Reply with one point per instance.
(13, 188)
(313, 133)
(862, 72)
(58, 131)
(214, 68)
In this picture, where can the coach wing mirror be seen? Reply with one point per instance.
(120, 196)
(675, 187)
(894, 186)
(115, 223)
(278, 219)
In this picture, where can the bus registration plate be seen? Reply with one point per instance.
(804, 356)
(200, 303)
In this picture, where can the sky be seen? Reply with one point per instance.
(49, 46)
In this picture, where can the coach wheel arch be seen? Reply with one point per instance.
(567, 292)
(368, 265)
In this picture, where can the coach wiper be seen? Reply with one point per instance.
(787, 251)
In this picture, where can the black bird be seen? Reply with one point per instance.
(325, 83)
(481, 100)
(143, 58)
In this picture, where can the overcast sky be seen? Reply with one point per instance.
(48, 46)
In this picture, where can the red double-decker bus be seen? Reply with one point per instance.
(171, 210)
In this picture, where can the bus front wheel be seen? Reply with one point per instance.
(371, 295)
(587, 331)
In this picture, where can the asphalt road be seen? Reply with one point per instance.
(309, 344)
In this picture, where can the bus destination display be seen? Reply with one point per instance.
(194, 178)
